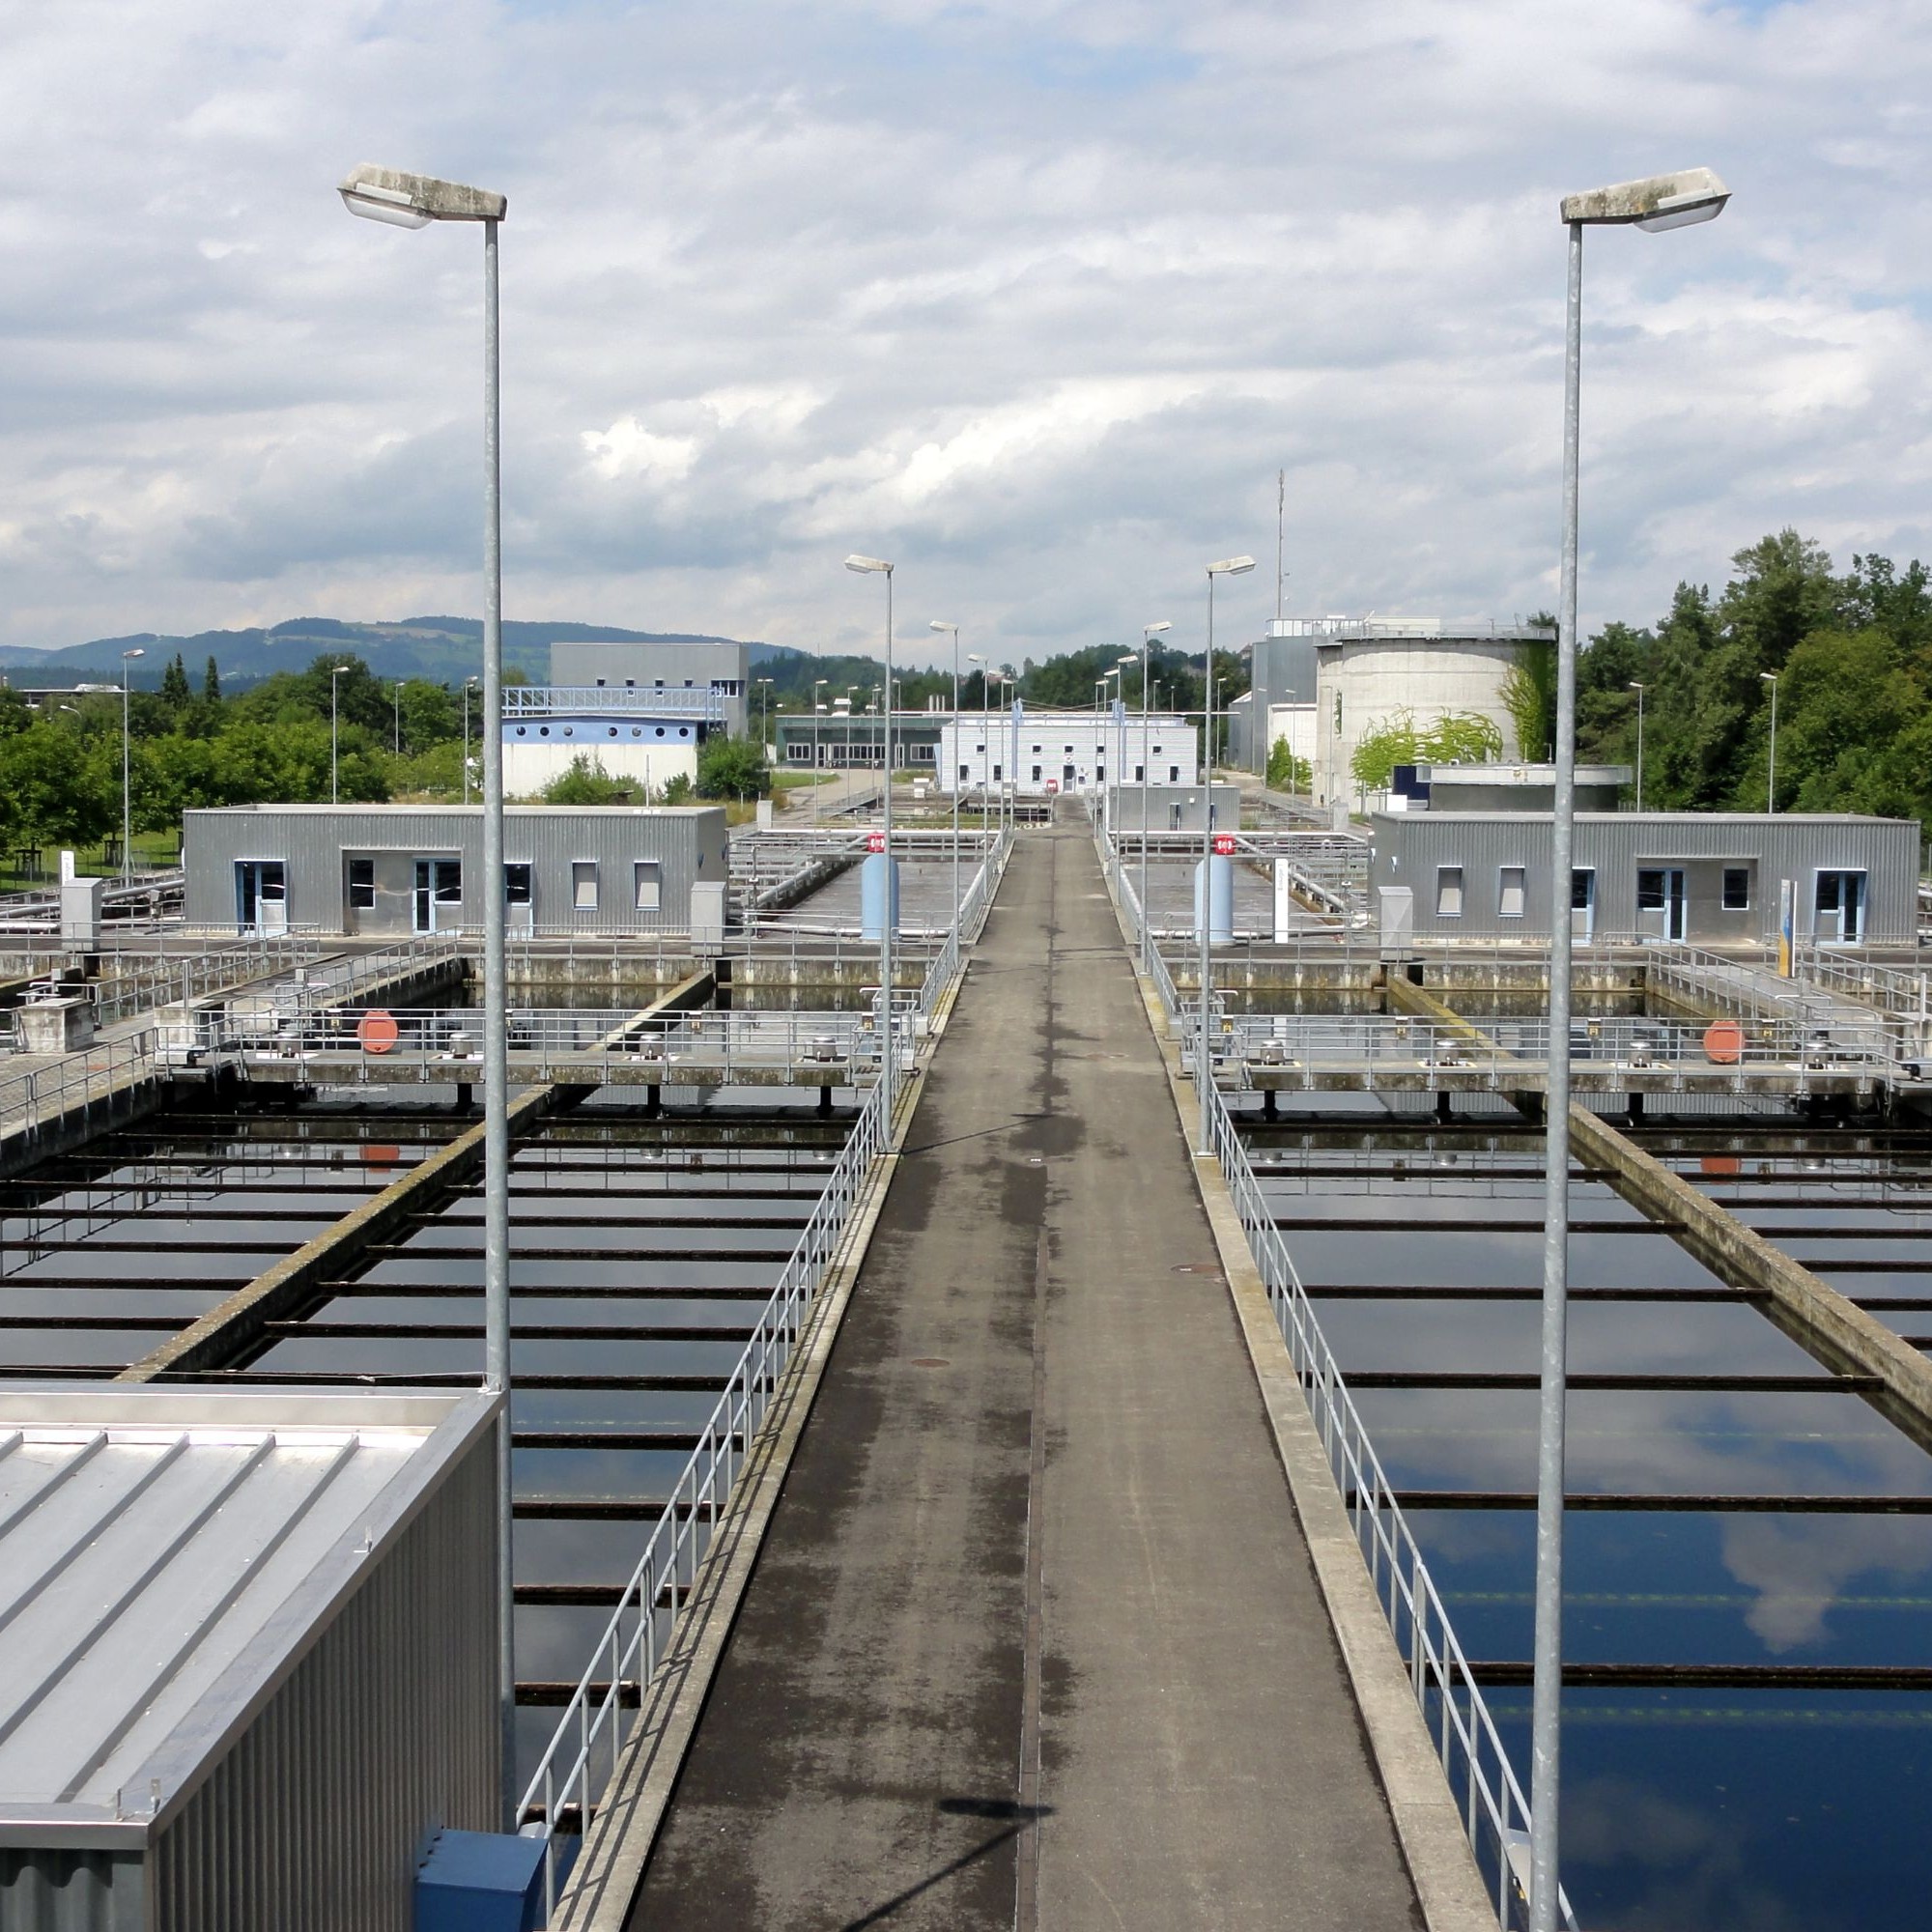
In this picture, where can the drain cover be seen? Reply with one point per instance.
(930, 1362)
(1199, 1267)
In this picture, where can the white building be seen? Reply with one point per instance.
(1039, 752)
(1371, 671)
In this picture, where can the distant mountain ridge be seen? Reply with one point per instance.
(445, 649)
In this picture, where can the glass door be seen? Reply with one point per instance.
(1838, 918)
(438, 901)
(261, 896)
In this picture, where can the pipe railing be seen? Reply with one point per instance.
(33, 1100)
(1495, 1814)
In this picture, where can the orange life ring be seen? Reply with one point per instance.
(378, 1031)
(1724, 1043)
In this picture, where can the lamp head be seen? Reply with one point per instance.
(1654, 204)
(137, 652)
(1231, 566)
(1155, 630)
(413, 201)
(1768, 676)
(862, 565)
(940, 624)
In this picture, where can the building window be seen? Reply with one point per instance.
(646, 876)
(584, 885)
(1140, 774)
(1448, 892)
(996, 772)
(1174, 774)
(980, 748)
(1511, 892)
(965, 773)
(517, 882)
(1035, 775)
(1737, 889)
(1156, 750)
(1650, 891)
(362, 885)
(600, 684)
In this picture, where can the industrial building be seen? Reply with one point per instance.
(251, 1652)
(1707, 878)
(1037, 753)
(384, 869)
(717, 666)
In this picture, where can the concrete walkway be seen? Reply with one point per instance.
(1035, 1641)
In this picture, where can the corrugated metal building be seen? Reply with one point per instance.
(250, 1653)
(399, 869)
(1710, 878)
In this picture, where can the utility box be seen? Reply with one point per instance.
(480, 1881)
(707, 916)
(80, 909)
(1218, 898)
(1396, 905)
(878, 878)
(55, 1026)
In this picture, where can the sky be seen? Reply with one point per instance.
(1033, 299)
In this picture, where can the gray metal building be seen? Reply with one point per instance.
(1281, 670)
(1709, 878)
(686, 664)
(385, 869)
(250, 1643)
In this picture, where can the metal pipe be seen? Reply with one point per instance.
(1546, 1704)
(496, 1062)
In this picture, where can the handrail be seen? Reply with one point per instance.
(639, 1630)
(42, 1095)
(1495, 1814)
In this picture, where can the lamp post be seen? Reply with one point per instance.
(1639, 689)
(1120, 673)
(335, 671)
(1769, 678)
(764, 714)
(126, 791)
(878, 566)
(1660, 202)
(469, 685)
(1149, 632)
(941, 625)
(413, 201)
(399, 718)
(819, 684)
(1204, 1064)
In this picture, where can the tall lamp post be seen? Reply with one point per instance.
(399, 718)
(1204, 1064)
(878, 566)
(1639, 689)
(1769, 678)
(764, 714)
(819, 684)
(1660, 202)
(1149, 633)
(941, 625)
(335, 672)
(126, 791)
(469, 685)
(1120, 673)
(414, 201)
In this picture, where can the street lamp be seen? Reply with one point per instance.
(764, 713)
(413, 201)
(1769, 678)
(1149, 633)
(126, 793)
(469, 685)
(1660, 202)
(1120, 672)
(1204, 1068)
(878, 566)
(399, 718)
(335, 671)
(941, 625)
(819, 684)
(1639, 689)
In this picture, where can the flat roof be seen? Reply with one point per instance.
(1658, 818)
(1528, 775)
(464, 810)
(167, 1554)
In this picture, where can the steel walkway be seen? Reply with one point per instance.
(1033, 1639)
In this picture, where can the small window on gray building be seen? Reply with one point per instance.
(1448, 892)
(362, 885)
(584, 885)
(517, 882)
(997, 771)
(647, 885)
(1035, 776)
(1737, 889)
(1511, 892)
(965, 771)
(1174, 774)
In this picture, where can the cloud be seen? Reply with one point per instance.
(1035, 298)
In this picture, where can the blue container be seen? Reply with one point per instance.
(872, 893)
(1221, 899)
(480, 1881)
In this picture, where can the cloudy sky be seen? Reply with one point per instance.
(1035, 298)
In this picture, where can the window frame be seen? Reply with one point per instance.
(1443, 875)
(1520, 889)
(585, 872)
(647, 874)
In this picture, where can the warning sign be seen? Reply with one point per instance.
(875, 842)
(1224, 844)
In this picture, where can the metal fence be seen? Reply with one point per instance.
(1494, 1812)
(143, 981)
(32, 1101)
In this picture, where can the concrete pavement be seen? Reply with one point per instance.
(1033, 1639)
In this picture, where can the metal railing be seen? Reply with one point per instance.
(33, 1100)
(1494, 1812)
(584, 1752)
(148, 981)
(643, 700)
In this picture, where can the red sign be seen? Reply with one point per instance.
(1224, 844)
(1052, 785)
(875, 842)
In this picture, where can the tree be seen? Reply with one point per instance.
(733, 768)
(678, 790)
(211, 682)
(1286, 772)
(175, 692)
(1455, 738)
(1529, 697)
(58, 793)
(585, 781)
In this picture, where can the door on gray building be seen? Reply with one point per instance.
(439, 895)
(1839, 901)
(1661, 902)
(260, 894)
(1584, 902)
